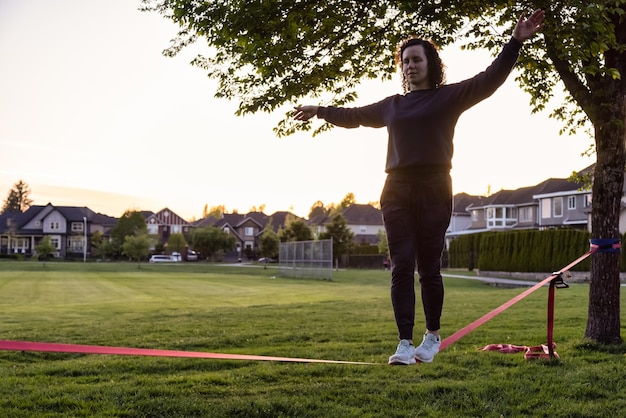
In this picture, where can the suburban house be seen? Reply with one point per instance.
(70, 229)
(519, 209)
(164, 223)
(364, 221)
(246, 228)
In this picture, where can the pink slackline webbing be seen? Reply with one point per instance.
(95, 349)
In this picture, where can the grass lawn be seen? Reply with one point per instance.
(250, 310)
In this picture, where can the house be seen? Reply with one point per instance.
(70, 229)
(164, 223)
(519, 209)
(246, 228)
(552, 203)
(564, 208)
(364, 221)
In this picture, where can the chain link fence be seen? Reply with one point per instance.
(307, 259)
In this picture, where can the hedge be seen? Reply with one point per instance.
(523, 251)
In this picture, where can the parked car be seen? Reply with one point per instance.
(267, 260)
(161, 258)
(192, 256)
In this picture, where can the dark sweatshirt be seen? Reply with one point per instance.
(421, 123)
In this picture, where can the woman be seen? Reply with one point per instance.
(416, 200)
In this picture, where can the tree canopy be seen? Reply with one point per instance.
(130, 224)
(270, 54)
(137, 246)
(210, 240)
(295, 230)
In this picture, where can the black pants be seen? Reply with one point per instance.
(416, 213)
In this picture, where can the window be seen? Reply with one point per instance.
(75, 244)
(56, 242)
(557, 203)
(587, 202)
(474, 215)
(571, 202)
(249, 231)
(54, 226)
(499, 217)
(363, 229)
(77, 227)
(546, 208)
(526, 214)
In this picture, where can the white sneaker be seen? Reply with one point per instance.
(428, 348)
(405, 354)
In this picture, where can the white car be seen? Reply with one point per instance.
(160, 258)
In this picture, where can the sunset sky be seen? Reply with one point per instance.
(92, 114)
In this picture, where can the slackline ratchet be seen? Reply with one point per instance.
(541, 351)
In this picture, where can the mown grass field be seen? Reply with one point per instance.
(250, 310)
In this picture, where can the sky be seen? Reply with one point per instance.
(92, 114)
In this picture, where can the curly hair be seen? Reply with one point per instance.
(436, 68)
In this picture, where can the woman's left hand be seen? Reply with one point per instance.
(527, 28)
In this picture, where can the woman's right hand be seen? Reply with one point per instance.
(305, 112)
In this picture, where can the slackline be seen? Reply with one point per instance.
(124, 351)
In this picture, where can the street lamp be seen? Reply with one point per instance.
(85, 239)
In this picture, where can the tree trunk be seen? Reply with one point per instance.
(609, 117)
(603, 322)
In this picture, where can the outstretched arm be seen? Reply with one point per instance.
(527, 28)
(305, 112)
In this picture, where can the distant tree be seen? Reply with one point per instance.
(176, 243)
(97, 238)
(214, 211)
(269, 243)
(261, 208)
(375, 204)
(296, 230)
(341, 235)
(137, 247)
(159, 247)
(131, 223)
(107, 250)
(17, 199)
(317, 209)
(45, 249)
(348, 201)
(209, 240)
